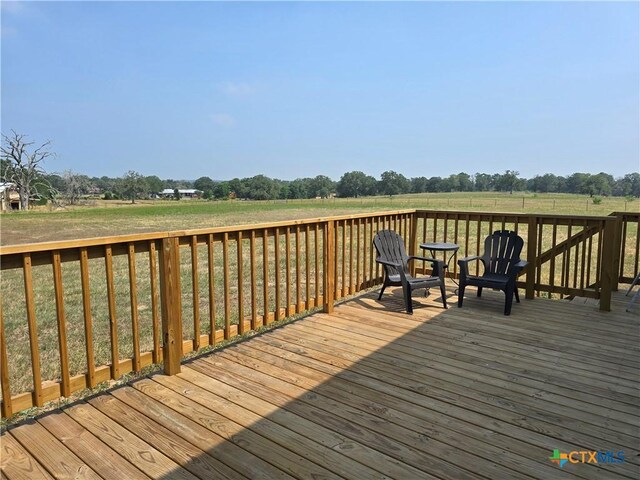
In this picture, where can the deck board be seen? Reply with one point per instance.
(368, 392)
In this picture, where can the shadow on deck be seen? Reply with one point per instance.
(369, 392)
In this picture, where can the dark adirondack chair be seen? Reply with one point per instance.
(502, 265)
(395, 261)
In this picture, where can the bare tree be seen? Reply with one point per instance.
(76, 185)
(22, 164)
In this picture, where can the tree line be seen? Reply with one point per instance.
(22, 165)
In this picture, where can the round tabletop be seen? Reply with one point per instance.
(440, 246)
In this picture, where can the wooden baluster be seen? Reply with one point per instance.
(589, 266)
(351, 283)
(113, 320)
(455, 240)
(372, 253)
(435, 228)
(33, 330)
(212, 290)
(599, 258)
(365, 253)
(466, 235)
(478, 240)
(539, 269)
(88, 320)
(254, 305)
(155, 318)
(307, 269)
(241, 328)
(343, 273)
(583, 257)
(62, 324)
(227, 296)
(287, 256)
(265, 274)
(298, 273)
(133, 297)
(195, 293)
(277, 273)
(329, 265)
(566, 259)
(7, 407)
(358, 284)
(552, 263)
(317, 264)
(531, 257)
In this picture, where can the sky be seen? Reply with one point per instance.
(189, 89)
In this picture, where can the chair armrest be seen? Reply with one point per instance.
(518, 267)
(389, 264)
(468, 259)
(463, 263)
(438, 266)
(424, 259)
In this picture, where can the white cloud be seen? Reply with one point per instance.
(237, 89)
(223, 119)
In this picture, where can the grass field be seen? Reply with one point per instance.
(114, 218)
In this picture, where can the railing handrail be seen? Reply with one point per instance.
(142, 237)
(159, 235)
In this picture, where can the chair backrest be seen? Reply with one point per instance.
(501, 250)
(390, 247)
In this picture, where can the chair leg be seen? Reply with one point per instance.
(479, 291)
(444, 295)
(407, 300)
(515, 292)
(508, 301)
(460, 294)
(384, 285)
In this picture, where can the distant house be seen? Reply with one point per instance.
(9, 197)
(187, 193)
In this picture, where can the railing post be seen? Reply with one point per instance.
(413, 241)
(329, 262)
(617, 249)
(609, 274)
(171, 305)
(531, 257)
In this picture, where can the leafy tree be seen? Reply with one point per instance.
(297, 189)
(22, 165)
(508, 181)
(204, 184)
(482, 182)
(356, 184)
(221, 190)
(132, 185)
(419, 184)
(392, 183)
(154, 184)
(320, 186)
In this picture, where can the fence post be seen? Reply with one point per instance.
(329, 260)
(170, 295)
(609, 274)
(531, 257)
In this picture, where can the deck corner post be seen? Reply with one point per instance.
(617, 252)
(608, 276)
(170, 295)
(329, 265)
(532, 232)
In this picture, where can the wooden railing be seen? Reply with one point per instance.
(78, 313)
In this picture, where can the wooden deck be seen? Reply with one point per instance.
(368, 392)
